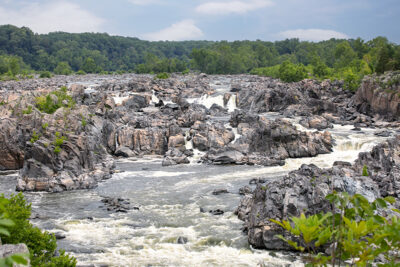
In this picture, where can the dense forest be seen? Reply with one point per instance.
(22, 51)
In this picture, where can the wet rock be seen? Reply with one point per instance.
(219, 191)
(124, 152)
(257, 181)
(245, 190)
(117, 204)
(383, 133)
(216, 212)
(175, 156)
(59, 235)
(182, 240)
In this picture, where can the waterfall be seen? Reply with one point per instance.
(231, 105)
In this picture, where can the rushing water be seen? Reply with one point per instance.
(169, 201)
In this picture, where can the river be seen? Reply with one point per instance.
(170, 201)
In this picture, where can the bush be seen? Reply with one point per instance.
(162, 76)
(84, 122)
(28, 110)
(267, 71)
(351, 80)
(360, 234)
(49, 105)
(80, 72)
(63, 68)
(45, 74)
(41, 245)
(365, 171)
(35, 137)
(289, 72)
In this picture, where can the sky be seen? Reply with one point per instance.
(177, 20)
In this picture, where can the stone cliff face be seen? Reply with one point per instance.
(380, 95)
(304, 190)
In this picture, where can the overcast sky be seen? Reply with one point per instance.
(269, 20)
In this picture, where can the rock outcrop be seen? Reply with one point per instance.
(304, 191)
(136, 115)
(380, 95)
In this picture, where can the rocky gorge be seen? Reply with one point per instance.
(131, 136)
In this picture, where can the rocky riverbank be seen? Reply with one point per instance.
(304, 191)
(136, 115)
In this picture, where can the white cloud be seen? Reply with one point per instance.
(232, 7)
(51, 16)
(143, 2)
(313, 34)
(183, 30)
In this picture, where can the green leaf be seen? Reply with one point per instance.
(20, 258)
(390, 199)
(4, 232)
(6, 222)
(381, 203)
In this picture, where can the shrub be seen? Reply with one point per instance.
(365, 171)
(59, 140)
(80, 72)
(45, 125)
(34, 137)
(84, 122)
(63, 68)
(45, 74)
(289, 72)
(351, 80)
(41, 245)
(49, 105)
(267, 71)
(360, 234)
(28, 110)
(162, 76)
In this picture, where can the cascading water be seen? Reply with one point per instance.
(231, 105)
(154, 98)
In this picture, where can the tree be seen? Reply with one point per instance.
(290, 72)
(89, 66)
(63, 68)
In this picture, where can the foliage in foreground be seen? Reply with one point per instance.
(354, 230)
(41, 244)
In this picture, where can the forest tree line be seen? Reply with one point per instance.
(22, 51)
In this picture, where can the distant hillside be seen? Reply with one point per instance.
(64, 53)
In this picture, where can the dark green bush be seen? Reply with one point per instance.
(45, 74)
